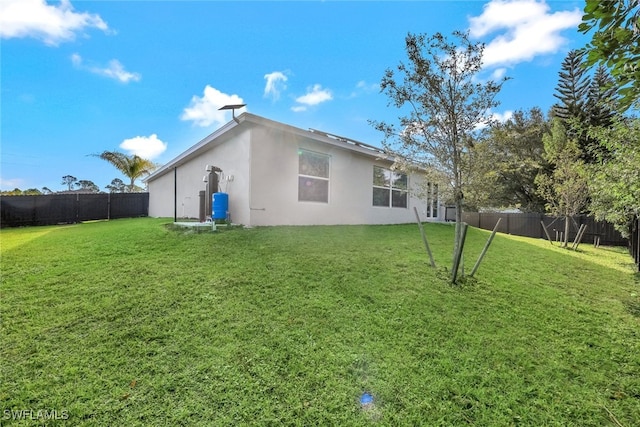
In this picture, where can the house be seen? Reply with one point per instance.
(276, 174)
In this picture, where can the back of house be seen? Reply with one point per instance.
(276, 174)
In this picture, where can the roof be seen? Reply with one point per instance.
(245, 120)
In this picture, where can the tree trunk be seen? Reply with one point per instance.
(458, 224)
(566, 231)
(458, 231)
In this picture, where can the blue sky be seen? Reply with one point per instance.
(148, 77)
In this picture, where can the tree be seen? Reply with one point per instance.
(133, 166)
(32, 192)
(615, 43)
(19, 192)
(506, 161)
(84, 184)
(15, 192)
(602, 99)
(572, 89)
(443, 105)
(117, 186)
(614, 183)
(601, 109)
(584, 101)
(46, 190)
(69, 181)
(565, 189)
(572, 92)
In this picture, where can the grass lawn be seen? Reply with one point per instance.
(127, 322)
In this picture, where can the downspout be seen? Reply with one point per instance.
(250, 179)
(175, 194)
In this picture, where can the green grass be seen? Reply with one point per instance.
(130, 323)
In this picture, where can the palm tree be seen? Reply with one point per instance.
(131, 166)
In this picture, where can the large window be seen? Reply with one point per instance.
(313, 177)
(389, 188)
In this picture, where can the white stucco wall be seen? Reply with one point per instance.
(232, 156)
(161, 197)
(274, 185)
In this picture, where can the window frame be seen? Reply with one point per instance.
(313, 178)
(388, 186)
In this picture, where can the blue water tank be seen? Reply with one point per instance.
(220, 205)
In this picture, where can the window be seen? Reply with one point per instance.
(389, 188)
(313, 177)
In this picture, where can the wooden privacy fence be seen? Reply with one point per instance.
(17, 211)
(529, 225)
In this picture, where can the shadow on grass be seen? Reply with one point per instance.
(633, 307)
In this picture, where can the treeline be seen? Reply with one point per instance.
(583, 156)
(131, 166)
(75, 185)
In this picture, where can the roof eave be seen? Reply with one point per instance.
(186, 155)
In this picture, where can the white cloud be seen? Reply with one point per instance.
(76, 60)
(498, 73)
(204, 111)
(367, 87)
(502, 117)
(495, 117)
(115, 70)
(10, 184)
(275, 84)
(314, 96)
(363, 87)
(52, 24)
(146, 147)
(525, 29)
